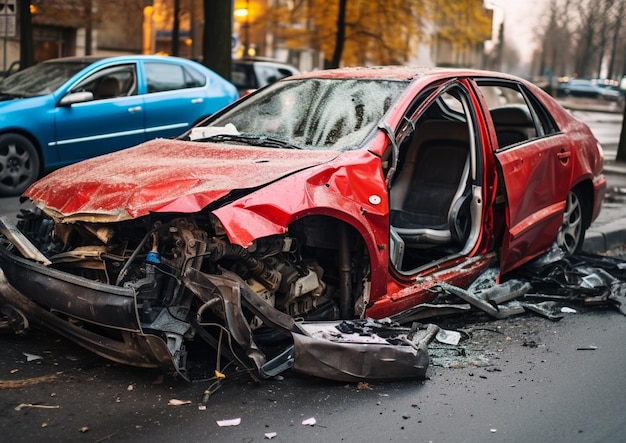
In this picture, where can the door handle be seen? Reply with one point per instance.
(134, 109)
(564, 156)
(197, 100)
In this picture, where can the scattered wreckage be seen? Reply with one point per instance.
(313, 224)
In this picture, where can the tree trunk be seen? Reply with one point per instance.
(176, 28)
(26, 35)
(88, 26)
(340, 36)
(621, 146)
(217, 38)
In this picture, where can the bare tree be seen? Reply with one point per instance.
(618, 18)
(340, 36)
(604, 25)
(555, 38)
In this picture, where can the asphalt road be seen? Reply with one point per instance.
(524, 379)
(537, 381)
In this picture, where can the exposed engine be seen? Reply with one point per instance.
(151, 256)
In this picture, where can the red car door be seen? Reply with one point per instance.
(536, 179)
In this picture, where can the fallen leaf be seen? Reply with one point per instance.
(176, 402)
(363, 385)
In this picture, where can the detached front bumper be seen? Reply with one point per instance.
(100, 317)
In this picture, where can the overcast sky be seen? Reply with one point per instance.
(520, 19)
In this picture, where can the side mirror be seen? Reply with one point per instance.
(76, 97)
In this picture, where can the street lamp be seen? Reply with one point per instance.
(244, 14)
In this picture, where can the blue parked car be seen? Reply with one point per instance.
(65, 110)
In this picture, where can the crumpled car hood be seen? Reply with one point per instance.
(162, 176)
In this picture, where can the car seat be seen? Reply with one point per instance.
(430, 189)
(108, 87)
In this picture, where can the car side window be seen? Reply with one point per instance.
(111, 82)
(169, 77)
(517, 117)
(269, 74)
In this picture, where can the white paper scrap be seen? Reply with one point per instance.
(309, 421)
(201, 132)
(229, 422)
(31, 357)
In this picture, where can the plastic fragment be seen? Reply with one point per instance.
(567, 310)
(34, 406)
(229, 422)
(32, 357)
(270, 435)
(448, 337)
(309, 421)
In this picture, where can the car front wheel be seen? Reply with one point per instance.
(19, 164)
(572, 233)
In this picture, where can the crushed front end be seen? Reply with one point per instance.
(152, 291)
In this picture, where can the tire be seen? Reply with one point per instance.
(571, 236)
(19, 164)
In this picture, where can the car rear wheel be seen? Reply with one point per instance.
(572, 233)
(19, 164)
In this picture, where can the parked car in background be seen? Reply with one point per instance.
(253, 73)
(65, 110)
(590, 88)
(12, 69)
(339, 194)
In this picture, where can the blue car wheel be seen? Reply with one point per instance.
(19, 164)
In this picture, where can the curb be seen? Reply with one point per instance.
(606, 237)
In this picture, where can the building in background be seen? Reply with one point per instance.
(77, 27)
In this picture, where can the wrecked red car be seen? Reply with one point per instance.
(328, 196)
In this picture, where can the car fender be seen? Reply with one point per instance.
(329, 190)
(17, 116)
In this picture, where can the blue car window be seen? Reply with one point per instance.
(164, 77)
(168, 76)
(193, 79)
(116, 81)
(40, 79)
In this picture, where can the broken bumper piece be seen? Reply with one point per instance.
(324, 350)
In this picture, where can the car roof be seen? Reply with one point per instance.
(401, 73)
(129, 57)
(248, 60)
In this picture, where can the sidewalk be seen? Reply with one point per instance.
(609, 230)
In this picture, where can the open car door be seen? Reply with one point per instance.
(536, 182)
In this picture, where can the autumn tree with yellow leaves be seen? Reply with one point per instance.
(357, 32)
